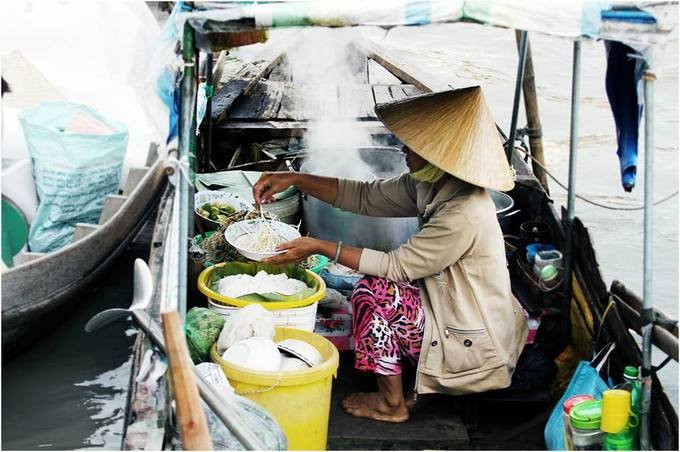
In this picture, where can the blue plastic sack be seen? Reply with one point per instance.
(73, 171)
(586, 380)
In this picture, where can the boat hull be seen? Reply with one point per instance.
(36, 293)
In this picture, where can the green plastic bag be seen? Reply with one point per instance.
(202, 328)
(73, 171)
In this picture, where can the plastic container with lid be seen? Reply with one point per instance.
(566, 408)
(584, 420)
(547, 257)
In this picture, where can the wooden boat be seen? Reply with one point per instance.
(256, 106)
(43, 286)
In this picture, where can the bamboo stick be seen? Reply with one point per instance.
(190, 416)
(533, 117)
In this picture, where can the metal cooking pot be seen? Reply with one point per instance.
(504, 204)
(328, 223)
(325, 222)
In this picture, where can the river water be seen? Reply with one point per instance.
(68, 392)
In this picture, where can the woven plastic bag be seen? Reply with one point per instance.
(73, 170)
(586, 380)
(202, 328)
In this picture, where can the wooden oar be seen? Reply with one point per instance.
(190, 416)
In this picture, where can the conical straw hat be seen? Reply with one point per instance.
(455, 131)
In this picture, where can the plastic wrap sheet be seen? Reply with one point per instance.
(559, 18)
(644, 37)
(332, 13)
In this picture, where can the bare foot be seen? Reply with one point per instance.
(374, 406)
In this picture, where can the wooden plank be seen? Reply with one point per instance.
(246, 78)
(287, 110)
(309, 101)
(378, 75)
(397, 92)
(83, 230)
(190, 416)
(356, 101)
(281, 72)
(262, 103)
(112, 204)
(284, 129)
(410, 90)
(134, 177)
(399, 66)
(382, 94)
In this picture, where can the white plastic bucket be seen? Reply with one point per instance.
(303, 318)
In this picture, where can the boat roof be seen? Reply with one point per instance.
(644, 26)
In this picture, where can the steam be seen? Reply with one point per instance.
(324, 66)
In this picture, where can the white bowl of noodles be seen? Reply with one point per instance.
(257, 239)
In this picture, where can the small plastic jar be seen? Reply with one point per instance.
(584, 420)
(566, 408)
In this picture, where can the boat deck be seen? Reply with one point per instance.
(439, 422)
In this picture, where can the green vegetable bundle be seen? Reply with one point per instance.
(216, 211)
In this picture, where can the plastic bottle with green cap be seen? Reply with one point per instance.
(631, 383)
(585, 421)
(618, 421)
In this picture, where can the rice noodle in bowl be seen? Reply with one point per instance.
(258, 239)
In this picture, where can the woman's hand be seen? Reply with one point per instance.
(270, 184)
(296, 251)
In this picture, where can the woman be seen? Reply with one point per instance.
(442, 300)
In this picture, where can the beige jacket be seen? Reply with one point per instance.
(474, 328)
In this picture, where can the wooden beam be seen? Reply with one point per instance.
(663, 339)
(400, 67)
(635, 302)
(533, 117)
(246, 78)
(283, 129)
(378, 75)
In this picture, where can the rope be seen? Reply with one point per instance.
(589, 201)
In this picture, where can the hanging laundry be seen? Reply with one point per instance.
(624, 71)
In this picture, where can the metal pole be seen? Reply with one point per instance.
(647, 309)
(571, 197)
(510, 145)
(186, 117)
(207, 152)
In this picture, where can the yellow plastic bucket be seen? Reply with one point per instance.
(299, 400)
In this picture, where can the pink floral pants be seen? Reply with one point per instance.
(387, 325)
